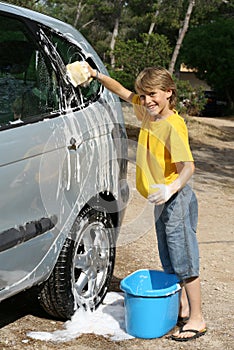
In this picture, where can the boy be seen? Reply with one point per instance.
(164, 166)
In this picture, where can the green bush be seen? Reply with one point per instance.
(191, 100)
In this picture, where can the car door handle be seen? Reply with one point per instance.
(72, 145)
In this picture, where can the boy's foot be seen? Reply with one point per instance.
(188, 334)
(190, 330)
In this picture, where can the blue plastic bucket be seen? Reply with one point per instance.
(151, 301)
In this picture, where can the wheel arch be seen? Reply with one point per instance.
(107, 201)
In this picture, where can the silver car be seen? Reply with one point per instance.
(63, 163)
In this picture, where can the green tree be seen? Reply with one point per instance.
(209, 49)
(207, 11)
(127, 23)
(33, 4)
(132, 56)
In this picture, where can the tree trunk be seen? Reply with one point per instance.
(113, 40)
(80, 8)
(152, 25)
(180, 39)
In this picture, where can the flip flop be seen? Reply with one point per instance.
(181, 321)
(197, 334)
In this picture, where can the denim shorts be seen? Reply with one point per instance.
(176, 224)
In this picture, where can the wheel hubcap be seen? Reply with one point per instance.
(91, 263)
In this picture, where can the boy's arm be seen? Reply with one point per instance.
(112, 85)
(185, 170)
(165, 192)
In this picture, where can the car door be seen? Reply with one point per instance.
(29, 94)
(56, 153)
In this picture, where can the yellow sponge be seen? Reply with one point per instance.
(78, 73)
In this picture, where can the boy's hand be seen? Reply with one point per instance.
(162, 195)
(92, 72)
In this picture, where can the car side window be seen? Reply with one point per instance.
(69, 53)
(28, 85)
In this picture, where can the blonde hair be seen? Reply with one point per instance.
(156, 77)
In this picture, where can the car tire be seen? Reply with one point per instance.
(84, 267)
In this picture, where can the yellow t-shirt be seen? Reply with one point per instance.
(161, 144)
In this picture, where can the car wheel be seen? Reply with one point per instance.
(84, 267)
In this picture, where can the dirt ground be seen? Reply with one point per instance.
(212, 143)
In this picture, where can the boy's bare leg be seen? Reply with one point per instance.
(184, 304)
(196, 321)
